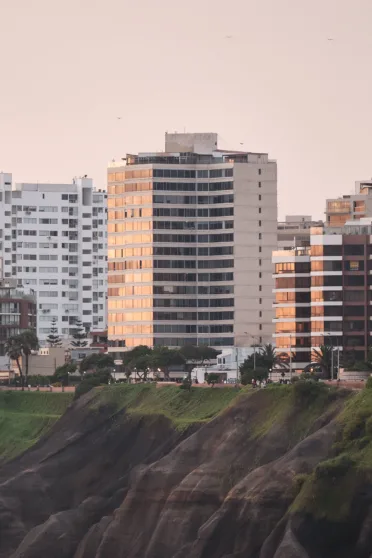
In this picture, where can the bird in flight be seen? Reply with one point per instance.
(228, 37)
(118, 117)
(330, 39)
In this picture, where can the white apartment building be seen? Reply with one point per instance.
(54, 241)
(190, 237)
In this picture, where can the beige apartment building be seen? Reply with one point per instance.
(191, 232)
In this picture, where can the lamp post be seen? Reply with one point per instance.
(330, 337)
(290, 357)
(254, 348)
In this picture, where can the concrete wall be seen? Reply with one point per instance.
(45, 365)
(255, 217)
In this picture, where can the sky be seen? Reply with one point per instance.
(69, 68)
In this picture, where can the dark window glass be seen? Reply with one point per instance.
(354, 280)
(354, 310)
(354, 249)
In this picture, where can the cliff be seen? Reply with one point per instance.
(141, 472)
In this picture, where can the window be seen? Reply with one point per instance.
(354, 265)
(48, 257)
(260, 223)
(259, 210)
(48, 269)
(354, 249)
(48, 208)
(259, 171)
(51, 294)
(354, 280)
(259, 184)
(47, 221)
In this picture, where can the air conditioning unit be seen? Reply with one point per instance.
(28, 212)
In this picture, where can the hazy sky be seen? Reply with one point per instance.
(70, 67)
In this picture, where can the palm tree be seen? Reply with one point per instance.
(323, 357)
(269, 358)
(14, 351)
(28, 342)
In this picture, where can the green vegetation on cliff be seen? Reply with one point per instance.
(182, 407)
(329, 491)
(25, 417)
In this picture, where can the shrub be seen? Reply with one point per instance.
(212, 379)
(248, 374)
(305, 390)
(186, 384)
(300, 480)
(333, 468)
(369, 383)
(91, 381)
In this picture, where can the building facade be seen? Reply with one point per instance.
(55, 242)
(190, 237)
(323, 294)
(350, 207)
(294, 231)
(17, 313)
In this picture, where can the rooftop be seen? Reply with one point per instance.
(191, 149)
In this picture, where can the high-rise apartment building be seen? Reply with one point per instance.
(323, 294)
(54, 241)
(350, 207)
(190, 238)
(294, 231)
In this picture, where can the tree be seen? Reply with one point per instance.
(28, 342)
(323, 357)
(62, 372)
(197, 356)
(96, 361)
(53, 338)
(102, 377)
(266, 359)
(14, 351)
(136, 360)
(141, 365)
(270, 358)
(248, 374)
(212, 379)
(163, 358)
(80, 336)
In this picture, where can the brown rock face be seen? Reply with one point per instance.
(112, 485)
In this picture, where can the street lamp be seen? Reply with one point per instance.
(329, 335)
(254, 348)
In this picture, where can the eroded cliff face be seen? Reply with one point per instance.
(107, 483)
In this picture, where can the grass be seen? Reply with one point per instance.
(25, 417)
(182, 407)
(329, 491)
(297, 407)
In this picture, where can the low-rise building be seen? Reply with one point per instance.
(17, 313)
